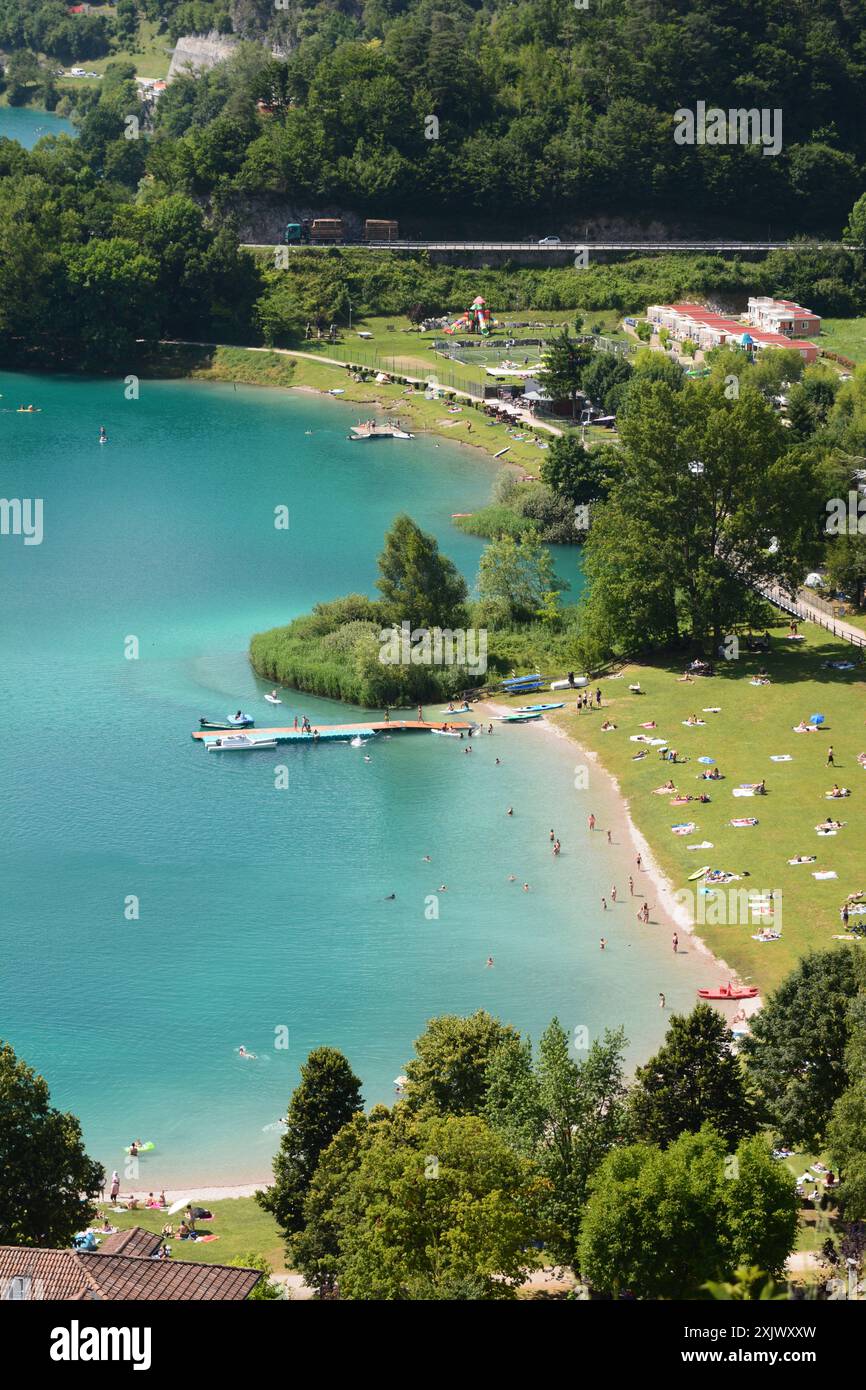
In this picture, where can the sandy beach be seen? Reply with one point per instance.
(667, 912)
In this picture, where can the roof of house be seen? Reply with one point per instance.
(124, 1270)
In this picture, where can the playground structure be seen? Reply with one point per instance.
(475, 320)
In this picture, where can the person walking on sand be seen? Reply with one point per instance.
(604, 904)
(630, 886)
(115, 1186)
(591, 821)
(661, 1000)
(609, 840)
(638, 861)
(675, 942)
(613, 893)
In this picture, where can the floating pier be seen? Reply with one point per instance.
(333, 733)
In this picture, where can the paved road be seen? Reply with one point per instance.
(572, 246)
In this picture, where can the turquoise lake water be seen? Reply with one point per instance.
(261, 909)
(27, 125)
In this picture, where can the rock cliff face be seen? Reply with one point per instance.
(200, 51)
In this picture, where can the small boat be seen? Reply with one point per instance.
(447, 733)
(523, 680)
(517, 718)
(236, 743)
(370, 430)
(699, 873)
(566, 684)
(273, 699)
(729, 992)
(533, 709)
(230, 722)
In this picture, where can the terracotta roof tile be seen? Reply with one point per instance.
(71, 1275)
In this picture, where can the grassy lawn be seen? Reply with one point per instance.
(847, 336)
(755, 722)
(239, 1222)
(151, 54)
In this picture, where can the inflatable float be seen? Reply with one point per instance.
(729, 992)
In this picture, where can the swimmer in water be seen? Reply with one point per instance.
(367, 758)
(497, 762)
(510, 811)
(242, 1052)
(526, 887)
(489, 961)
(390, 897)
(512, 878)
(426, 859)
(443, 887)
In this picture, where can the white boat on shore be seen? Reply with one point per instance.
(236, 743)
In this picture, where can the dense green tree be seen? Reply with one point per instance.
(564, 1113)
(439, 1207)
(418, 584)
(565, 362)
(694, 1079)
(448, 1073)
(724, 504)
(578, 474)
(797, 1045)
(516, 580)
(328, 1096)
(662, 1222)
(47, 1182)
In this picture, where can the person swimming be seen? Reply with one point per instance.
(389, 897)
(242, 1052)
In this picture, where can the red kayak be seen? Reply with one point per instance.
(729, 992)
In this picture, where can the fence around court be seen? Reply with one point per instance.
(445, 376)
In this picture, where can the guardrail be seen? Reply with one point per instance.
(780, 599)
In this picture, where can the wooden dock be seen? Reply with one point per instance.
(338, 731)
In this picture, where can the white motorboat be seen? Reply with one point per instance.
(236, 743)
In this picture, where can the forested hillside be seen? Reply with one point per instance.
(544, 111)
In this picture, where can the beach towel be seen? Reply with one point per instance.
(693, 723)
(770, 936)
(825, 873)
(745, 820)
(712, 709)
(743, 791)
(685, 828)
(706, 760)
(781, 758)
(705, 844)
(803, 859)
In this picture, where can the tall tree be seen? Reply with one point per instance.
(723, 502)
(47, 1181)
(438, 1207)
(448, 1073)
(565, 1114)
(418, 584)
(565, 361)
(328, 1096)
(796, 1049)
(516, 579)
(662, 1222)
(694, 1079)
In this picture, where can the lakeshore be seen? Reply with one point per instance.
(136, 1020)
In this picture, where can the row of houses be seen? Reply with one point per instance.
(708, 329)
